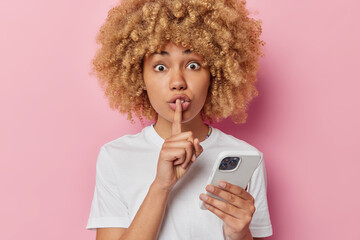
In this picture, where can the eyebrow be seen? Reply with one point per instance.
(187, 51)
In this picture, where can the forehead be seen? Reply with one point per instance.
(172, 50)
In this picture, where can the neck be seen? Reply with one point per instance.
(163, 127)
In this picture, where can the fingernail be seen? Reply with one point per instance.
(193, 158)
(222, 184)
(203, 197)
(209, 188)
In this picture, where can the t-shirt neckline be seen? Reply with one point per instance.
(159, 141)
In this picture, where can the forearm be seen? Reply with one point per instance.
(246, 236)
(148, 219)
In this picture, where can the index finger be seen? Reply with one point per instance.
(176, 125)
(238, 191)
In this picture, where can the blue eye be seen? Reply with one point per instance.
(160, 68)
(193, 66)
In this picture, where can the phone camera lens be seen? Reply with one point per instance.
(233, 163)
(223, 166)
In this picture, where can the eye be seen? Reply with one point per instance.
(160, 68)
(193, 66)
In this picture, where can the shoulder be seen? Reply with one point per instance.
(128, 150)
(128, 142)
(224, 140)
(128, 147)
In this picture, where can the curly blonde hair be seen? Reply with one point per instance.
(219, 30)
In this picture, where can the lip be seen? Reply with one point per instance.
(184, 106)
(181, 97)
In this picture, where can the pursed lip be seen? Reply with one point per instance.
(181, 97)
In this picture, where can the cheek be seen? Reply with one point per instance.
(151, 95)
(152, 87)
(204, 86)
(155, 94)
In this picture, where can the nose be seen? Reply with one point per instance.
(177, 81)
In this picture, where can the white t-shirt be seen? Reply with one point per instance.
(126, 167)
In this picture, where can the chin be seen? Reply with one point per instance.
(187, 117)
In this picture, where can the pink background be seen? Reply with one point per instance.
(54, 117)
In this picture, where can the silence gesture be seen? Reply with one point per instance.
(177, 153)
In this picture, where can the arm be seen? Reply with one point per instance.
(109, 233)
(175, 159)
(239, 199)
(147, 221)
(236, 213)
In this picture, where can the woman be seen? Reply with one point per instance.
(179, 63)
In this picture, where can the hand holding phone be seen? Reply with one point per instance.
(235, 167)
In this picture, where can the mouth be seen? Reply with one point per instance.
(183, 98)
(185, 102)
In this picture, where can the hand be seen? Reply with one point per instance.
(236, 212)
(177, 153)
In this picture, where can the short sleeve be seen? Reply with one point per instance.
(260, 225)
(108, 209)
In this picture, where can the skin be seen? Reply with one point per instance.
(178, 71)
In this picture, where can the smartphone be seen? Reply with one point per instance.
(235, 167)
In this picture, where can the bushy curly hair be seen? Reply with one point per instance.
(219, 30)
